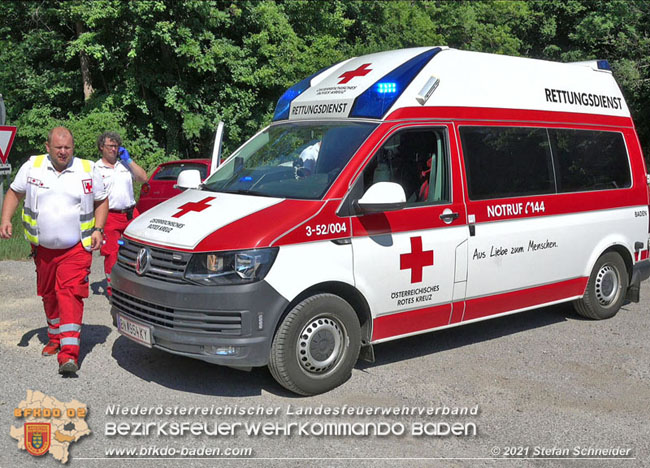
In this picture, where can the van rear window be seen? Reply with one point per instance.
(589, 160)
(504, 162)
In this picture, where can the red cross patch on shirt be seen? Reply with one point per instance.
(87, 185)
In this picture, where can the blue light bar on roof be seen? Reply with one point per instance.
(386, 87)
(603, 65)
(376, 100)
(284, 103)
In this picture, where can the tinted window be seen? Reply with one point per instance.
(415, 159)
(171, 171)
(507, 162)
(589, 160)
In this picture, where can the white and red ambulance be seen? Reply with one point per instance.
(395, 194)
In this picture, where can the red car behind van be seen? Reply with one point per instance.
(160, 186)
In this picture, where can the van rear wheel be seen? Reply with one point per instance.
(606, 288)
(316, 345)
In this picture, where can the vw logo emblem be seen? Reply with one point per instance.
(142, 261)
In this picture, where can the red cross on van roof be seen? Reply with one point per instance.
(361, 71)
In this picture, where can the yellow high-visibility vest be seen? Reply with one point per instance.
(30, 207)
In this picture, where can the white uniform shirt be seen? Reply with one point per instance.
(309, 155)
(59, 200)
(118, 181)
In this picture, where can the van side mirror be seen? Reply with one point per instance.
(188, 179)
(382, 196)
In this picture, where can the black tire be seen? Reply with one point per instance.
(606, 288)
(316, 345)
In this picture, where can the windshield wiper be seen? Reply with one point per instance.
(246, 192)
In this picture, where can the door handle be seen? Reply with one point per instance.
(448, 216)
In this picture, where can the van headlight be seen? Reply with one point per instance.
(236, 267)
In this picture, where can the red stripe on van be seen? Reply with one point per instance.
(555, 204)
(411, 321)
(508, 115)
(490, 305)
(261, 228)
(398, 324)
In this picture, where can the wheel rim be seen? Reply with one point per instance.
(320, 345)
(607, 285)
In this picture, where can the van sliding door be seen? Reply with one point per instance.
(537, 207)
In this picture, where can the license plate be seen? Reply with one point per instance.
(134, 330)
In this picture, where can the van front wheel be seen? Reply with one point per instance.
(316, 345)
(606, 288)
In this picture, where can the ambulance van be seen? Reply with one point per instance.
(395, 194)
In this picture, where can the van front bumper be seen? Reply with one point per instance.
(227, 325)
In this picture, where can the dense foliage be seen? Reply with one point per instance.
(165, 72)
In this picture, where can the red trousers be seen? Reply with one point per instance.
(62, 283)
(116, 223)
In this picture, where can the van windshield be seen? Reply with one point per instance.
(292, 160)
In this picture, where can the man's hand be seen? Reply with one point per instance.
(6, 230)
(101, 212)
(96, 239)
(11, 202)
(138, 173)
(124, 155)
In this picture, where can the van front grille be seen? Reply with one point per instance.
(165, 265)
(219, 322)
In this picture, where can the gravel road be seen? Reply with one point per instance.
(543, 383)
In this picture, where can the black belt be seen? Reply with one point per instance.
(125, 210)
(128, 211)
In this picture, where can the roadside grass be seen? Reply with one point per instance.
(16, 248)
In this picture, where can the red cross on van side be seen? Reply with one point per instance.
(416, 260)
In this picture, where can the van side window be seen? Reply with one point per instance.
(415, 159)
(507, 162)
(589, 160)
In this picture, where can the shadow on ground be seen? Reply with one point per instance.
(466, 335)
(99, 287)
(91, 336)
(191, 375)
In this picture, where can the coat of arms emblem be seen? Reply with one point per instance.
(37, 438)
